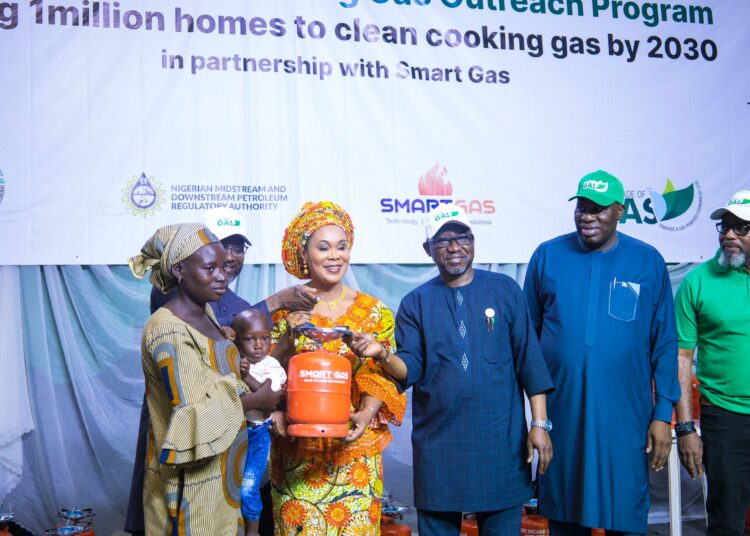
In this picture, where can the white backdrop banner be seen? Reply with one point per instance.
(121, 116)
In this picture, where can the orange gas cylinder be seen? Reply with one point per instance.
(534, 525)
(469, 525)
(318, 395)
(388, 527)
(598, 532)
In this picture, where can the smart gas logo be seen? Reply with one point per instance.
(434, 188)
(143, 195)
(681, 208)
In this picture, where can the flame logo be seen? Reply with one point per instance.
(435, 182)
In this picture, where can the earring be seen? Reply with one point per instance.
(304, 268)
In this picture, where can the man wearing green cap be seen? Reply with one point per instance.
(602, 306)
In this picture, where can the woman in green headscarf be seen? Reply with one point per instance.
(197, 438)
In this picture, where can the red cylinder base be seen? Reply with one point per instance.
(317, 430)
(390, 528)
(534, 525)
(469, 527)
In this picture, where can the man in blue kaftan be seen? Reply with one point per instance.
(602, 305)
(466, 345)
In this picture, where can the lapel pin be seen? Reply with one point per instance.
(489, 318)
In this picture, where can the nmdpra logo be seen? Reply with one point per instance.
(143, 195)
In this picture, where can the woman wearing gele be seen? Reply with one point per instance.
(329, 486)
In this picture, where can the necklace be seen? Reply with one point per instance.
(332, 304)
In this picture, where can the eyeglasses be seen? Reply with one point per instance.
(462, 240)
(236, 249)
(740, 229)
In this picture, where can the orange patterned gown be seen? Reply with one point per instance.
(323, 486)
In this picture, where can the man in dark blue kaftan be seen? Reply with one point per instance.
(602, 305)
(466, 345)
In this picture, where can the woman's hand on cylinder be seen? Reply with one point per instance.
(358, 424)
(297, 318)
(366, 345)
(278, 423)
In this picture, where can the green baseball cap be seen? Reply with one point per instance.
(600, 187)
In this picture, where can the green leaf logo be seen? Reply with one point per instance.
(672, 203)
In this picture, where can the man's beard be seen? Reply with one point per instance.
(457, 270)
(735, 261)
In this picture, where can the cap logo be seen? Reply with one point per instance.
(445, 215)
(597, 186)
(228, 223)
(739, 202)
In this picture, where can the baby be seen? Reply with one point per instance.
(253, 338)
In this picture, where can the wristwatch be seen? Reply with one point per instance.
(544, 425)
(684, 428)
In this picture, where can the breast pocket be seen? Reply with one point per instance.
(623, 300)
(496, 344)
